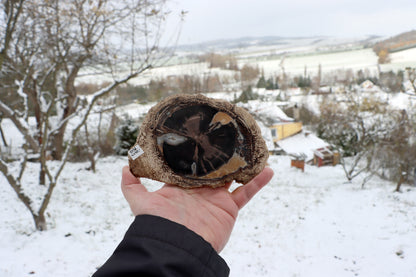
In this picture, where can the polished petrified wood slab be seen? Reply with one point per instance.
(194, 141)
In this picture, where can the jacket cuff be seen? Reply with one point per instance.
(177, 235)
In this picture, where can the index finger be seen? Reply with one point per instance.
(243, 194)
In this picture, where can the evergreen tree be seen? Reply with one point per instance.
(270, 84)
(261, 82)
(276, 83)
(126, 136)
(247, 95)
(304, 82)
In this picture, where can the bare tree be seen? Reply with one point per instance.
(355, 129)
(11, 14)
(411, 75)
(399, 148)
(249, 74)
(317, 80)
(374, 138)
(48, 45)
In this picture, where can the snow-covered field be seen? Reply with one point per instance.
(308, 223)
(354, 59)
(295, 57)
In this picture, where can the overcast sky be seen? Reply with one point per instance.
(218, 19)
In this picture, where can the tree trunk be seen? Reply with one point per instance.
(71, 98)
(2, 134)
(399, 184)
(42, 175)
(91, 157)
(40, 221)
(402, 179)
(58, 145)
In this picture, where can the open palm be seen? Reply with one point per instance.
(209, 212)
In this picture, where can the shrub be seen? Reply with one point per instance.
(126, 136)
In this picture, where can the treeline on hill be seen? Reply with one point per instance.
(227, 75)
(248, 76)
(397, 43)
(204, 83)
(220, 61)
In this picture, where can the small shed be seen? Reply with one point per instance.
(298, 161)
(324, 156)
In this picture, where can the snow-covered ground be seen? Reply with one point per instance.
(308, 223)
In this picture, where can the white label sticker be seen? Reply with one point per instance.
(135, 152)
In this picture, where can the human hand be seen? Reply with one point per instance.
(209, 212)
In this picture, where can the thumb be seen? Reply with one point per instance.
(131, 186)
(243, 194)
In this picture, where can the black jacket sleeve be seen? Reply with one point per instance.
(154, 246)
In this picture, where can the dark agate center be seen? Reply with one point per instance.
(197, 140)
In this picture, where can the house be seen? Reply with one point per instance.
(279, 124)
(283, 134)
(367, 85)
(283, 130)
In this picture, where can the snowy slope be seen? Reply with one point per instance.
(301, 224)
(308, 223)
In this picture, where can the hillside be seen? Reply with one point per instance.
(302, 224)
(273, 45)
(399, 42)
(310, 223)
